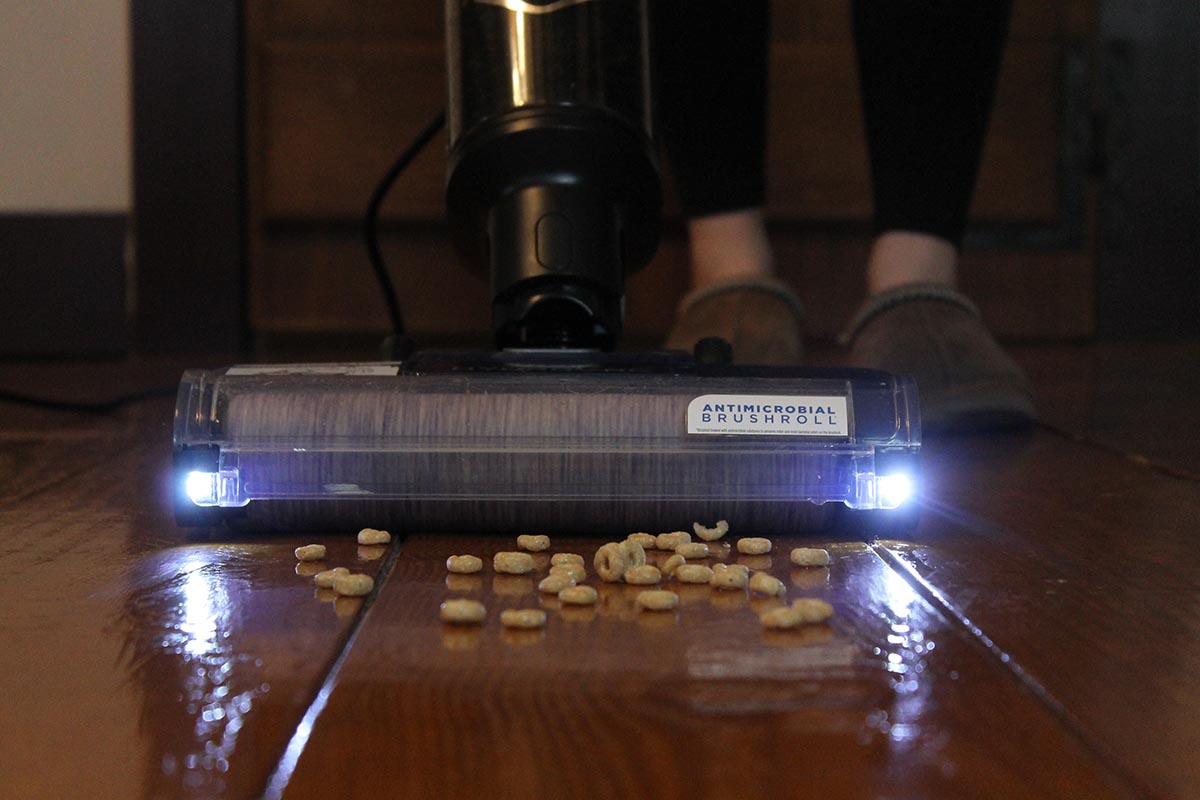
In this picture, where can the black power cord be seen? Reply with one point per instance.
(371, 229)
(400, 344)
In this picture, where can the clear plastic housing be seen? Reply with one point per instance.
(369, 432)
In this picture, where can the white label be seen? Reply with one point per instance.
(367, 370)
(775, 415)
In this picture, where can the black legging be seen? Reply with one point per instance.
(927, 69)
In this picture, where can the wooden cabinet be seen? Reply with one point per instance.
(336, 89)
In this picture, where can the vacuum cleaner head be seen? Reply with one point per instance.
(539, 440)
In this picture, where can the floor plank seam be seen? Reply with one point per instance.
(285, 764)
(1133, 458)
(951, 611)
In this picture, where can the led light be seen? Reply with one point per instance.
(893, 490)
(201, 488)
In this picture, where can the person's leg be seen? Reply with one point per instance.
(728, 245)
(928, 73)
(927, 69)
(711, 99)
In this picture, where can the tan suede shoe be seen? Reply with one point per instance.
(760, 317)
(931, 332)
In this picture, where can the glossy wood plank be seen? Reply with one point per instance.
(1079, 565)
(141, 662)
(891, 699)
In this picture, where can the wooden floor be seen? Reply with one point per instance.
(1038, 635)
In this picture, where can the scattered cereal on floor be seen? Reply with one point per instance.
(512, 563)
(325, 579)
(373, 536)
(766, 584)
(672, 563)
(693, 573)
(463, 612)
(610, 562)
(647, 541)
(711, 534)
(657, 600)
(533, 543)
(728, 576)
(645, 575)
(523, 618)
(754, 546)
(810, 557)
(579, 595)
(353, 584)
(811, 609)
(553, 584)
(669, 541)
(575, 571)
(310, 552)
(464, 565)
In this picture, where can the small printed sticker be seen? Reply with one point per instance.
(360, 370)
(774, 415)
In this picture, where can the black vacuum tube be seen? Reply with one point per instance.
(553, 183)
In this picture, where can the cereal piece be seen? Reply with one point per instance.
(692, 550)
(673, 563)
(657, 600)
(810, 557)
(579, 595)
(353, 585)
(812, 610)
(610, 562)
(566, 558)
(693, 573)
(575, 571)
(325, 579)
(462, 612)
(711, 534)
(532, 543)
(669, 541)
(742, 568)
(373, 536)
(310, 552)
(754, 546)
(523, 618)
(647, 541)
(766, 584)
(555, 583)
(513, 563)
(780, 618)
(645, 575)
(635, 555)
(464, 565)
(729, 577)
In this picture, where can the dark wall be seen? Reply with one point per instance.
(1148, 280)
(189, 184)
